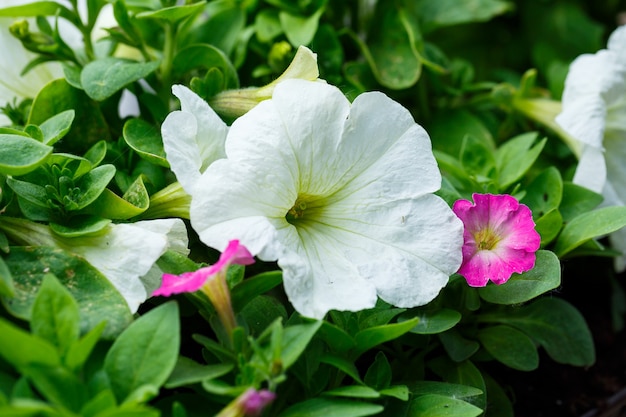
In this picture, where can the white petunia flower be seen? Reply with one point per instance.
(339, 194)
(193, 137)
(126, 254)
(594, 113)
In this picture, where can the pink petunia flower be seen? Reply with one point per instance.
(250, 403)
(499, 238)
(193, 281)
(211, 280)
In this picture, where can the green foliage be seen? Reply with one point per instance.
(72, 164)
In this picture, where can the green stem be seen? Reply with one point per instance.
(167, 62)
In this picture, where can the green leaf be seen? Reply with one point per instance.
(80, 350)
(295, 340)
(374, 336)
(207, 57)
(104, 77)
(391, 48)
(558, 327)
(464, 373)
(353, 391)
(58, 385)
(246, 290)
(476, 157)
(458, 347)
(379, 375)
(173, 14)
(96, 297)
(300, 30)
(93, 184)
(146, 352)
(510, 346)
(433, 321)
(589, 225)
(337, 339)
(330, 407)
(81, 226)
(516, 156)
(55, 316)
(577, 200)
(544, 193)
(25, 349)
(145, 139)
(89, 125)
(545, 276)
(548, 226)
(187, 372)
(344, 365)
(57, 126)
(433, 405)
(20, 155)
(401, 392)
(40, 8)
(444, 388)
(6, 280)
(439, 13)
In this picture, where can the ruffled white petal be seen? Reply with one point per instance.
(192, 138)
(128, 251)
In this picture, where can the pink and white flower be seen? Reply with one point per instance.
(499, 238)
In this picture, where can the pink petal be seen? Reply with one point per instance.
(192, 281)
(517, 240)
(186, 282)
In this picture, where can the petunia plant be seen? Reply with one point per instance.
(241, 208)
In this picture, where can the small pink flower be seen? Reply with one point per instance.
(193, 281)
(250, 403)
(499, 238)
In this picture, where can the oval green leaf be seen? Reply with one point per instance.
(20, 155)
(104, 77)
(145, 139)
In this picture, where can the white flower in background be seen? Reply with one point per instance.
(126, 254)
(193, 137)
(339, 194)
(594, 113)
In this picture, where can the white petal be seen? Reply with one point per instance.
(193, 137)
(235, 200)
(591, 169)
(124, 255)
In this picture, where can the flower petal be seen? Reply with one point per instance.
(193, 137)
(185, 282)
(124, 255)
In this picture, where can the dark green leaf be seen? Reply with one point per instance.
(433, 405)
(374, 336)
(433, 321)
(510, 346)
(145, 139)
(330, 407)
(545, 276)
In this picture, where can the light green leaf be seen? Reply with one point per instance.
(589, 225)
(577, 200)
(353, 391)
(55, 315)
(433, 405)
(439, 13)
(544, 193)
(57, 126)
(545, 276)
(20, 155)
(173, 14)
(146, 352)
(433, 321)
(516, 156)
(331, 407)
(104, 77)
(6, 281)
(295, 339)
(510, 346)
(92, 185)
(548, 226)
(145, 139)
(300, 30)
(25, 349)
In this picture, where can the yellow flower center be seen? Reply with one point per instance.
(486, 239)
